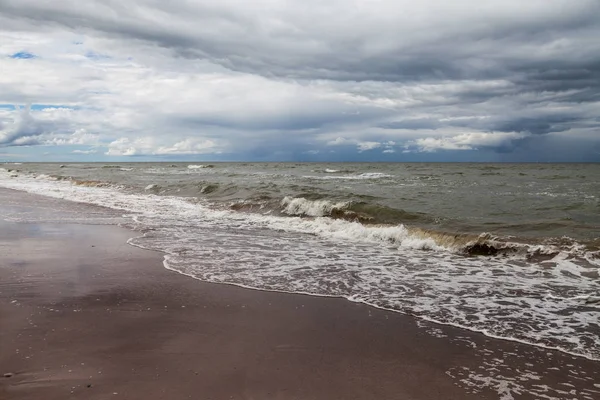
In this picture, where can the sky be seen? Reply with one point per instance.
(310, 80)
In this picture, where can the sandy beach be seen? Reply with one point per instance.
(83, 315)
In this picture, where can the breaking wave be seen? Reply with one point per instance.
(192, 166)
(361, 226)
(363, 176)
(313, 208)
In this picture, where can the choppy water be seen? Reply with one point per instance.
(508, 250)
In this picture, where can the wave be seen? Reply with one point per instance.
(363, 176)
(362, 221)
(555, 177)
(89, 183)
(312, 208)
(75, 182)
(261, 203)
(339, 220)
(335, 171)
(361, 227)
(370, 212)
(192, 166)
(209, 188)
(111, 167)
(359, 211)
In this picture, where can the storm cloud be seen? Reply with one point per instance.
(280, 80)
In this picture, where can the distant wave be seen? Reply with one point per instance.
(192, 166)
(363, 176)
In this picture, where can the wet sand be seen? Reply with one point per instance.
(85, 316)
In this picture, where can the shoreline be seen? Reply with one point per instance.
(83, 307)
(420, 318)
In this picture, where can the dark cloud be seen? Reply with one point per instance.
(292, 43)
(537, 126)
(412, 124)
(402, 68)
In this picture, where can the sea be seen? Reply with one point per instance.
(508, 250)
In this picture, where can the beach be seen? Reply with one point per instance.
(85, 315)
(510, 251)
(281, 200)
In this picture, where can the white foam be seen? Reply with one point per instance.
(313, 208)
(363, 176)
(192, 166)
(514, 375)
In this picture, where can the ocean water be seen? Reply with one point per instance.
(509, 250)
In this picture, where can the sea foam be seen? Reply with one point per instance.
(313, 208)
(199, 166)
(363, 176)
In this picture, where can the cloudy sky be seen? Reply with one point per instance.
(310, 80)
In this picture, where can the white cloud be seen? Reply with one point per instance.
(339, 141)
(84, 151)
(429, 145)
(151, 146)
(124, 147)
(465, 141)
(189, 146)
(364, 146)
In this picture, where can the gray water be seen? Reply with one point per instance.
(509, 250)
(523, 200)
